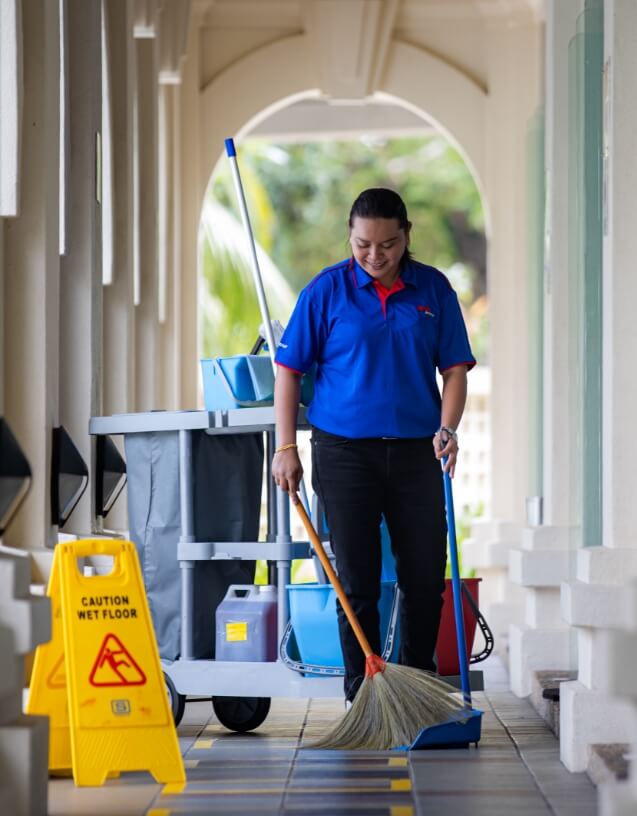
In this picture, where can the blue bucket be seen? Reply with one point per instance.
(228, 382)
(315, 625)
(243, 381)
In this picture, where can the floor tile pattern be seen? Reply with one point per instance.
(515, 770)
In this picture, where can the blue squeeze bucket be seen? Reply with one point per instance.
(228, 382)
(243, 381)
(315, 625)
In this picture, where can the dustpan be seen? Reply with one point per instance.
(460, 732)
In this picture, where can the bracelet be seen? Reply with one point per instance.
(449, 431)
(285, 447)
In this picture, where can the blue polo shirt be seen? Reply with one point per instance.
(376, 355)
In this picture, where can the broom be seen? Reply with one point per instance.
(394, 703)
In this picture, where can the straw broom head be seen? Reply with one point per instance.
(394, 703)
(390, 709)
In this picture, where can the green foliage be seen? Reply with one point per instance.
(231, 314)
(299, 196)
(312, 185)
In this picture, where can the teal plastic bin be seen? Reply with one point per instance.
(243, 381)
(315, 626)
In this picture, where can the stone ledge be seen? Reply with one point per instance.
(541, 568)
(548, 537)
(24, 744)
(608, 762)
(617, 799)
(587, 718)
(604, 565)
(487, 553)
(537, 650)
(494, 529)
(548, 705)
(597, 605)
(618, 651)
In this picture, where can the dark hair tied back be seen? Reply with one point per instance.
(379, 202)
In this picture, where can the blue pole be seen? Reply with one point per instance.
(457, 590)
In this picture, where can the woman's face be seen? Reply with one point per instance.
(378, 244)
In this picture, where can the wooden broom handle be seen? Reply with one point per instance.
(338, 587)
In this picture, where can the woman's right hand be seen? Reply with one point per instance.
(287, 471)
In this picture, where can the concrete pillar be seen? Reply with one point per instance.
(119, 334)
(2, 343)
(594, 601)
(81, 267)
(618, 652)
(29, 298)
(147, 350)
(514, 62)
(31, 291)
(25, 622)
(189, 214)
(543, 640)
(11, 95)
(169, 370)
(558, 334)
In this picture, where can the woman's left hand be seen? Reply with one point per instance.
(446, 446)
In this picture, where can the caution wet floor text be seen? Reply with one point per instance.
(99, 678)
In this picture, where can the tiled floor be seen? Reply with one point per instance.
(515, 770)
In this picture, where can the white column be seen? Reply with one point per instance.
(169, 371)
(618, 652)
(31, 291)
(29, 300)
(81, 267)
(542, 640)
(193, 188)
(594, 601)
(11, 96)
(514, 63)
(2, 339)
(147, 351)
(514, 54)
(25, 622)
(119, 335)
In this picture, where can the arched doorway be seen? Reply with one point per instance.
(448, 102)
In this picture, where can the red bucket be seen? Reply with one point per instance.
(447, 645)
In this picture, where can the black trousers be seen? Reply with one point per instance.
(358, 480)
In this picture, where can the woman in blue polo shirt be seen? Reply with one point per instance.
(377, 326)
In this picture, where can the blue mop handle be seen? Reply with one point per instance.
(457, 590)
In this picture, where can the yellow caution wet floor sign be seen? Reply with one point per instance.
(118, 713)
(47, 694)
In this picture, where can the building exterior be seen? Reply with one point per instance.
(112, 119)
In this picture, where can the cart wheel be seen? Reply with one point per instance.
(241, 713)
(177, 702)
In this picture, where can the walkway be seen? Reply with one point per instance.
(515, 770)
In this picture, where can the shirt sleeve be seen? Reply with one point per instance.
(453, 347)
(303, 337)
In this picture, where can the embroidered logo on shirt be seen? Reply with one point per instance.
(283, 345)
(426, 310)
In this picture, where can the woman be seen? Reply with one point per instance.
(377, 326)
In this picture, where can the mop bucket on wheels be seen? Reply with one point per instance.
(312, 642)
(314, 627)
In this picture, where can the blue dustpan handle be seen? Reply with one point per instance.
(457, 590)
